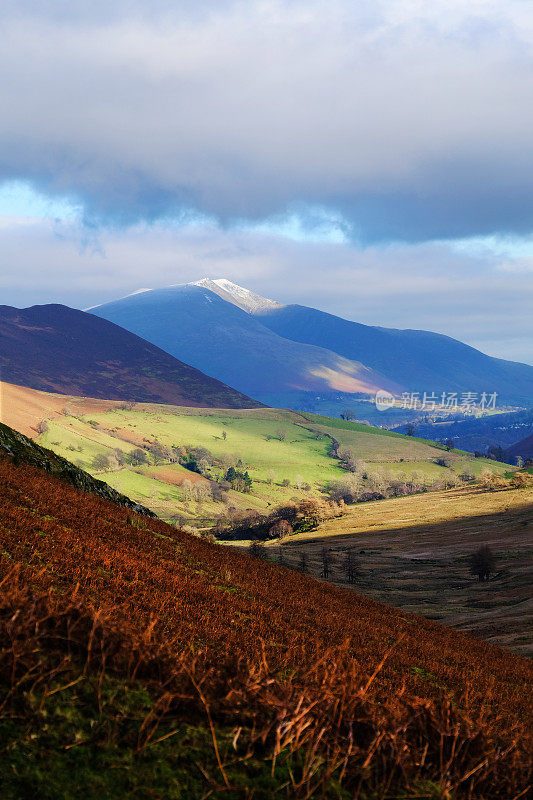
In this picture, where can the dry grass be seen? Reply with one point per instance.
(413, 552)
(365, 695)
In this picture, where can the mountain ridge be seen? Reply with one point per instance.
(241, 350)
(428, 357)
(59, 349)
(223, 339)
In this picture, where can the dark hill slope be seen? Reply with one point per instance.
(139, 661)
(418, 360)
(523, 448)
(479, 433)
(223, 340)
(58, 349)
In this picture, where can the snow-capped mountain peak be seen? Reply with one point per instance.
(243, 298)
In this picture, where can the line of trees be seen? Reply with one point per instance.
(482, 563)
(362, 483)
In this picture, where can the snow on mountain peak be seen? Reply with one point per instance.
(243, 298)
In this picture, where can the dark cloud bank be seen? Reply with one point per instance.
(412, 120)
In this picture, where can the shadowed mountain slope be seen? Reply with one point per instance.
(523, 448)
(267, 349)
(59, 349)
(223, 340)
(418, 360)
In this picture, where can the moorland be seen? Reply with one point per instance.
(413, 553)
(138, 660)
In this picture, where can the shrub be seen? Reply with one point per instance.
(488, 478)
(466, 476)
(100, 462)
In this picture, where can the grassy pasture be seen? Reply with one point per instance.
(276, 447)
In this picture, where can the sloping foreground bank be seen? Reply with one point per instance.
(137, 661)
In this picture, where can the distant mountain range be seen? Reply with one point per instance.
(266, 349)
(59, 349)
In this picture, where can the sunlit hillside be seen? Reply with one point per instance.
(175, 459)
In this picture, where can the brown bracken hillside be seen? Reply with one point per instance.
(303, 689)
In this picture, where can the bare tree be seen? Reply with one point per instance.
(187, 488)
(42, 427)
(119, 456)
(327, 561)
(482, 563)
(351, 567)
(280, 529)
(281, 435)
(271, 477)
(201, 492)
(303, 566)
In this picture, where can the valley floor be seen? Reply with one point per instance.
(413, 554)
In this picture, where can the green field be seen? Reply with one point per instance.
(287, 455)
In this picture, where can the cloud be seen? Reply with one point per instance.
(409, 121)
(484, 300)
(373, 159)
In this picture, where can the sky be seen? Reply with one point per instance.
(373, 159)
